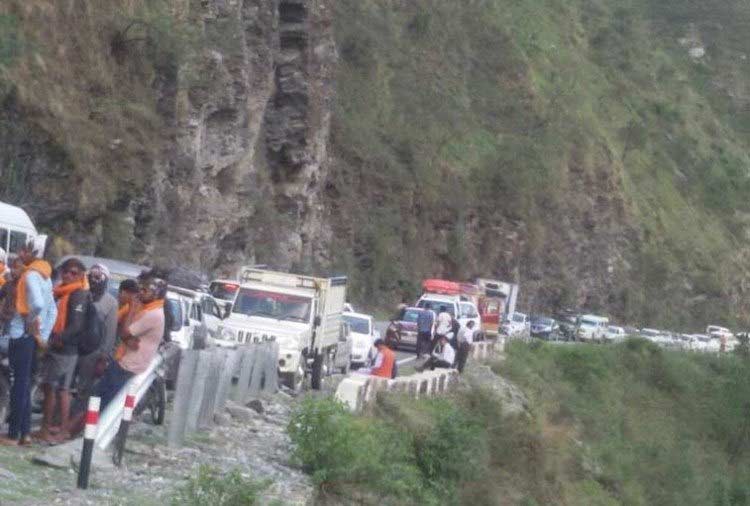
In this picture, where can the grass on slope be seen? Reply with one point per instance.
(653, 427)
(629, 424)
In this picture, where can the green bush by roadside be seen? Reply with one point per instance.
(212, 487)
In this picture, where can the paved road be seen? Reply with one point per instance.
(402, 357)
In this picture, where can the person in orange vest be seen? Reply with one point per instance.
(384, 363)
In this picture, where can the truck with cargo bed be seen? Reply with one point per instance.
(301, 313)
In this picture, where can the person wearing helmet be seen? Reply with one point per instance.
(140, 339)
(92, 365)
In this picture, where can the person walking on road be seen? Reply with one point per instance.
(59, 363)
(140, 339)
(29, 330)
(465, 342)
(443, 356)
(425, 325)
(384, 363)
(92, 366)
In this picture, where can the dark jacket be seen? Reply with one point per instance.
(76, 322)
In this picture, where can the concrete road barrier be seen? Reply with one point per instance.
(359, 390)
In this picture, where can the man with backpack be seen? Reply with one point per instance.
(59, 363)
(99, 342)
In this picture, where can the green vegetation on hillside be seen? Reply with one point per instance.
(574, 145)
(629, 424)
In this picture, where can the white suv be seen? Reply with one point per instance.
(592, 328)
(463, 311)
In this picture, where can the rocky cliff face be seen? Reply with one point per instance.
(226, 167)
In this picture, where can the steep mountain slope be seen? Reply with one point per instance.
(574, 145)
(594, 150)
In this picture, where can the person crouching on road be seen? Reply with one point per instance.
(384, 363)
(140, 339)
(29, 329)
(465, 342)
(92, 365)
(59, 364)
(442, 356)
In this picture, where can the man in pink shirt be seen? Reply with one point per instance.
(140, 339)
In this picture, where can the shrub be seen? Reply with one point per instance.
(210, 486)
(342, 451)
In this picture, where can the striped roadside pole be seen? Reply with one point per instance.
(89, 435)
(122, 432)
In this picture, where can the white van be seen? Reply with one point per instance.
(16, 228)
(592, 328)
(464, 311)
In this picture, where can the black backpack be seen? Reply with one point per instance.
(93, 332)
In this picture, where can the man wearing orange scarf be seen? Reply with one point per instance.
(59, 364)
(35, 314)
(140, 339)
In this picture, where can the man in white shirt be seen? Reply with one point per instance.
(444, 320)
(442, 356)
(465, 340)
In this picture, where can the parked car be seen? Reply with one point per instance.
(517, 325)
(543, 327)
(183, 318)
(402, 330)
(615, 333)
(725, 337)
(363, 336)
(592, 328)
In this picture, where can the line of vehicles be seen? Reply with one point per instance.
(569, 326)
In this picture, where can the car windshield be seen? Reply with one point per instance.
(358, 324)
(589, 323)
(223, 291)
(411, 316)
(519, 318)
(540, 320)
(281, 306)
(436, 306)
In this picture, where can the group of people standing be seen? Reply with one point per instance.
(442, 337)
(72, 331)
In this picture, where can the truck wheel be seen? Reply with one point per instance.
(316, 378)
